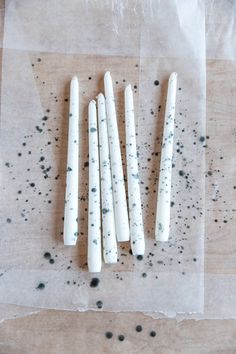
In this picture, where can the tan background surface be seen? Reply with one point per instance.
(68, 332)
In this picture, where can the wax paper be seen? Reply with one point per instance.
(220, 187)
(141, 43)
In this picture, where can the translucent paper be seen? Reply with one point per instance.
(44, 46)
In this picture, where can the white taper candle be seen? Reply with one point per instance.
(108, 220)
(135, 210)
(70, 233)
(119, 195)
(94, 214)
(164, 188)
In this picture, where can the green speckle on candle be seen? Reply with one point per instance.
(135, 175)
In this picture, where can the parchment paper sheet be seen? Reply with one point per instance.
(140, 43)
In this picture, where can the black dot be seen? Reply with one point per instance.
(94, 282)
(32, 184)
(140, 257)
(152, 334)
(51, 261)
(41, 286)
(144, 275)
(156, 82)
(93, 189)
(39, 59)
(202, 138)
(181, 173)
(121, 338)
(139, 328)
(195, 259)
(90, 78)
(8, 220)
(109, 335)
(99, 304)
(47, 255)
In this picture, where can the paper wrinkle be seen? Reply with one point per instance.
(174, 274)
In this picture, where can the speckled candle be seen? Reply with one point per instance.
(119, 195)
(70, 233)
(108, 221)
(94, 214)
(164, 188)
(135, 211)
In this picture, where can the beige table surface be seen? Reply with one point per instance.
(49, 331)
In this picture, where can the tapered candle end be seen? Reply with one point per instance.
(173, 76)
(107, 75)
(92, 104)
(74, 84)
(74, 78)
(100, 97)
(70, 242)
(108, 85)
(95, 269)
(128, 89)
(128, 93)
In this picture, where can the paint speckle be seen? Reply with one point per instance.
(139, 257)
(135, 175)
(94, 282)
(156, 82)
(105, 210)
(41, 286)
(39, 129)
(47, 255)
(108, 335)
(153, 334)
(121, 337)
(139, 328)
(99, 304)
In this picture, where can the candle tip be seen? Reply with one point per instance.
(128, 87)
(174, 74)
(74, 78)
(92, 102)
(107, 73)
(100, 96)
